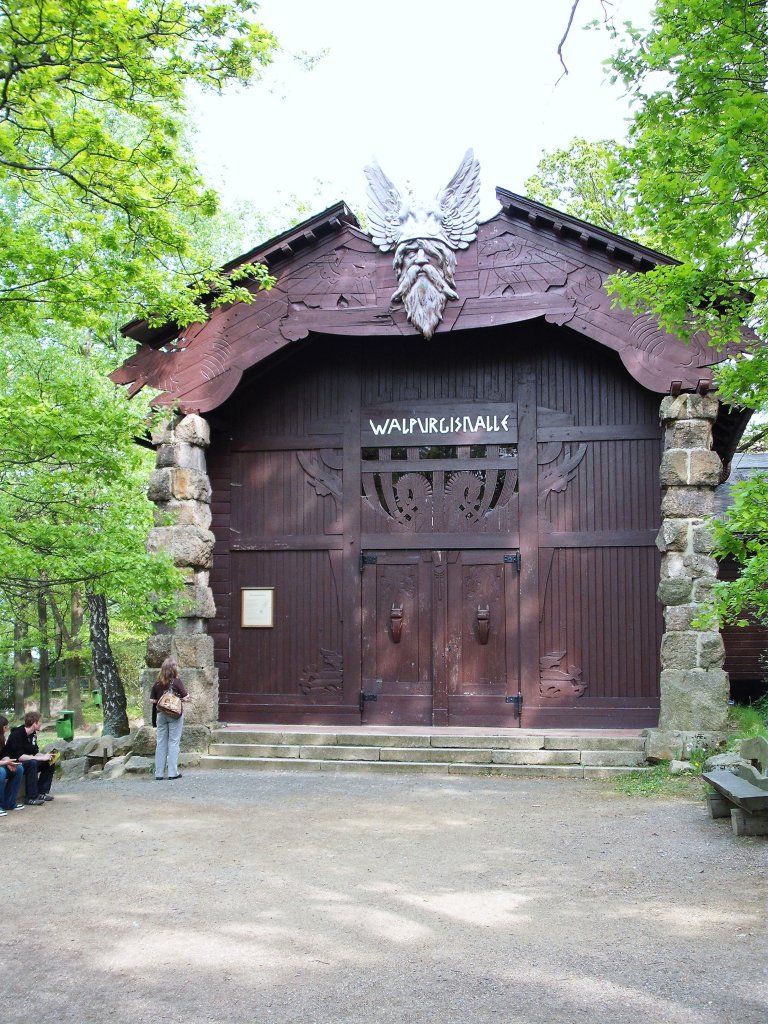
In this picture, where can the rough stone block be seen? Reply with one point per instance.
(674, 470)
(705, 468)
(688, 502)
(162, 432)
(663, 745)
(183, 513)
(700, 565)
(711, 651)
(702, 539)
(158, 649)
(190, 626)
(193, 650)
(703, 589)
(196, 602)
(181, 456)
(73, 768)
(190, 760)
(673, 535)
(145, 742)
(114, 768)
(677, 617)
(689, 407)
(674, 591)
(194, 430)
(731, 759)
(160, 487)
(689, 434)
(694, 700)
(673, 565)
(680, 650)
(203, 687)
(123, 744)
(190, 485)
(187, 545)
(139, 765)
(195, 737)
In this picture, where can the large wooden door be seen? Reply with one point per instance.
(439, 637)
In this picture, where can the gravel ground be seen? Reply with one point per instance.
(278, 898)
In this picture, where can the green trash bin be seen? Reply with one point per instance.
(96, 697)
(65, 725)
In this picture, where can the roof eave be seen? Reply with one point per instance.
(282, 246)
(563, 225)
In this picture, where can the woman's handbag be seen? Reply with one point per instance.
(170, 704)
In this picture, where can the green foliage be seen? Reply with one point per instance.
(697, 156)
(698, 177)
(72, 480)
(743, 535)
(748, 721)
(589, 180)
(103, 216)
(98, 195)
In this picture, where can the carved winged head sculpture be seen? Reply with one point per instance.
(424, 237)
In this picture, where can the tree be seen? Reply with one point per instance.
(96, 183)
(588, 180)
(73, 515)
(696, 152)
(697, 156)
(101, 209)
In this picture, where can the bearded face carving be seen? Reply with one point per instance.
(425, 237)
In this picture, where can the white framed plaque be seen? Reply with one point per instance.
(257, 608)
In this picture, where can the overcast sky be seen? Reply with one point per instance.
(413, 83)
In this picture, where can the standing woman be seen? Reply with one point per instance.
(168, 728)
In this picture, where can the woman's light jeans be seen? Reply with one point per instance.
(168, 740)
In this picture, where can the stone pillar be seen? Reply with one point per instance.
(181, 491)
(694, 687)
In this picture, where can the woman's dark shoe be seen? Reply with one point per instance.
(175, 776)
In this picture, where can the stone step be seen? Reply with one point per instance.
(487, 741)
(574, 771)
(431, 755)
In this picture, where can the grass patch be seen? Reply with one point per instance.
(748, 720)
(659, 781)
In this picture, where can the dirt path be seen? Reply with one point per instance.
(339, 899)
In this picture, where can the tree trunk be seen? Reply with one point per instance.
(74, 663)
(22, 664)
(105, 669)
(44, 657)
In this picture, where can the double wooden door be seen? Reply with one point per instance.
(440, 637)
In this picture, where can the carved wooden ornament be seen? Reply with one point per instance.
(424, 236)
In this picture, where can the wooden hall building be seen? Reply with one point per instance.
(467, 530)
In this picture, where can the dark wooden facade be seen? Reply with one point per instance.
(443, 574)
(454, 532)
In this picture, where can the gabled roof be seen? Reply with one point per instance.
(528, 262)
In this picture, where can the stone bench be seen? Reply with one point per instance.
(742, 792)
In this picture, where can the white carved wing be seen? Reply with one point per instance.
(384, 205)
(459, 202)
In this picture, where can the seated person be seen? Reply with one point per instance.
(38, 770)
(11, 774)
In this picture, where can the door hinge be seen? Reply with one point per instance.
(517, 701)
(513, 559)
(366, 559)
(366, 698)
